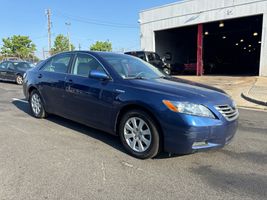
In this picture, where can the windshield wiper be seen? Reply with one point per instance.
(162, 77)
(140, 75)
(137, 77)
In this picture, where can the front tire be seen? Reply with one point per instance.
(139, 134)
(36, 105)
(19, 79)
(167, 71)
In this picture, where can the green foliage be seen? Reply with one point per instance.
(33, 58)
(101, 46)
(61, 44)
(18, 46)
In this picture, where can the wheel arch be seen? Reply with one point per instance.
(31, 88)
(19, 74)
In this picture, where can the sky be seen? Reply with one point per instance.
(115, 20)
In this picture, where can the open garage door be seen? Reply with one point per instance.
(230, 47)
(179, 47)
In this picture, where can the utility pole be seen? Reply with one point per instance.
(79, 46)
(43, 53)
(48, 13)
(68, 27)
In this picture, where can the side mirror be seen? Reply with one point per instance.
(99, 75)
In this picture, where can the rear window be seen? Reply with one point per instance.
(58, 64)
(137, 54)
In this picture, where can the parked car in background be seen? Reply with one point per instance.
(128, 97)
(152, 58)
(14, 70)
(11, 59)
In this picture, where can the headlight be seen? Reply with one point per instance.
(188, 108)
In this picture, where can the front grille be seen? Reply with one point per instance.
(229, 113)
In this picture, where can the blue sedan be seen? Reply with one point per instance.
(125, 96)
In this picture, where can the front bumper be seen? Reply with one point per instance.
(184, 134)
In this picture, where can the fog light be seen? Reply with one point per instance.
(199, 144)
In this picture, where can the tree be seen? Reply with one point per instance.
(101, 46)
(61, 44)
(18, 46)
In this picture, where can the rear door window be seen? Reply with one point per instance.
(141, 55)
(10, 66)
(150, 57)
(58, 64)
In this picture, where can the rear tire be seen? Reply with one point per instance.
(19, 79)
(37, 105)
(139, 134)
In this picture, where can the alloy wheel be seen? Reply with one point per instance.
(137, 134)
(19, 80)
(167, 71)
(36, 104)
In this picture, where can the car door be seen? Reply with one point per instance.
(88, 100)
(3, 70)
(51, 82)
(154, 59)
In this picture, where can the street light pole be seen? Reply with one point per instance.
(68, 28)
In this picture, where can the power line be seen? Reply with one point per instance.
(94, 21)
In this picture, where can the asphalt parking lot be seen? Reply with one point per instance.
(55, 158)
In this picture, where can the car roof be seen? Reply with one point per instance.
(92, 52)
(16, 61)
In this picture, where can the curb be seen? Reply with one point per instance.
(253, 100)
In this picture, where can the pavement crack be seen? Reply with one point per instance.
(131, 166)
(103, 172)
(127, 164)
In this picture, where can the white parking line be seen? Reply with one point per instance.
(21, 100)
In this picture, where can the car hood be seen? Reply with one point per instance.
(184, 90)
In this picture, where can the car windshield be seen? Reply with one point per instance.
(129, 67)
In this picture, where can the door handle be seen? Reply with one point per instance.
(68, 87)
(40, 76)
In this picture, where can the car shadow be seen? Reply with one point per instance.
(8, 82)
(105, 137)
(22, 105)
